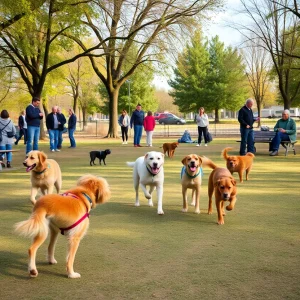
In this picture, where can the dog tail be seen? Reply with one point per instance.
(206, 162)
(250, 154)
(130, 164)
(37, 224)
(224, 152)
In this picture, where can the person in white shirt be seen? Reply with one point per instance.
(202, 122)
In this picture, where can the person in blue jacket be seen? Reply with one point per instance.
(72, 127)
(137, 121)
(33, 120)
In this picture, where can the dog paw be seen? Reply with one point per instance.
(52, 261)
(150, 203)
(160, 212)
(74, 275)
(137, 204)
(197, 211)
(193, 203)
(221, 222)
(148, 196)
(209, 212)
(228, 207)
(184, 210)
(33, 202)
(33, 273)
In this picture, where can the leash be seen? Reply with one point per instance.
(86, 215)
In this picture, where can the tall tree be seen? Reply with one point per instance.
(277, 29)
(258, 72)
(212, 76)
(153, 27)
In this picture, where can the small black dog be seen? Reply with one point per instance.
(99, 154)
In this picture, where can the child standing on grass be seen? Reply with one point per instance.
(149, 125)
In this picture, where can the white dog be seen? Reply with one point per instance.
(148, 170)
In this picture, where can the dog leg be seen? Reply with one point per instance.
(241, 175)
(37, 242)
(73, 246)
(99, 161)
(150, 202)
(197, 199)
(193, 198)
(232, 204)
(219, 209)
(210, 194)
(146, 193)
(51, 247)
(104, 162)
(159, 190)
(247, 173)
(34, 191)
(184, 198)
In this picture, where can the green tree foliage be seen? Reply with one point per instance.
(209, 75)
(141, 91)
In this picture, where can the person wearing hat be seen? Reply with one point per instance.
(137, 122)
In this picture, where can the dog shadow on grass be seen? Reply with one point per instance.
(147, 215)
(15, 265)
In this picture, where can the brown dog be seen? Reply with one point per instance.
(191, 178)
(67, 213)
(238, 164)
(45, 174)
(170, 148)
(223, 185)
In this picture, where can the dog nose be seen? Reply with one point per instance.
(155, 165)
(226, 196)
(24, 163)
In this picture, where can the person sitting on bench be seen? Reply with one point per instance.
(286, 130)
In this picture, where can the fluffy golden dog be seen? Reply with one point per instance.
(238, 164)
(191, 178)
(223, 185)
(45, 174)
(170, 148)
(68, 214)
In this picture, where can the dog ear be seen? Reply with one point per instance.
(42, 157)
(233, 181)
(217, 183)
(184, 161)
(200, 159)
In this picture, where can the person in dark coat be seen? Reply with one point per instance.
(22, 124)
(52, 124)
(137, 121)
(246, 120)
(72, 127)
(62, 120)
(33, 119)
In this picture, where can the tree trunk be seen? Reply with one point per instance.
(217, 120)
(75, 102)
(42, 129)
(113, 114)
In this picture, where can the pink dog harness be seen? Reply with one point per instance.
(62, 230)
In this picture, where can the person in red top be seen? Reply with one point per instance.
(149, 125)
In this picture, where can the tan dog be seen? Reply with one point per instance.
(67, 213)
(191, 178)
(45, 174)
(239, 164)
(170, 148)
(223, 185)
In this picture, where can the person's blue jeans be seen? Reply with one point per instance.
(33, 135)
(71, 137)
(138, 129)
(9, 154)
(53, 135)
(280, 136)
(247, 140)
(60, 139)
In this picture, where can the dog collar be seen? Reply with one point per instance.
(39, 173)
(88, 198)
(194, 176)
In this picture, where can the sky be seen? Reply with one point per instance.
(217, 26)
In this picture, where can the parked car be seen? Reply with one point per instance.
(171, 120)
(158, 116)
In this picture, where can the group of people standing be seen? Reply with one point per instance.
(29, 127)
(138, 121)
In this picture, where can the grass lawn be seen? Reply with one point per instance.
(132, 253)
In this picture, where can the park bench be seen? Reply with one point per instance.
(5, 151)
(261, 136)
